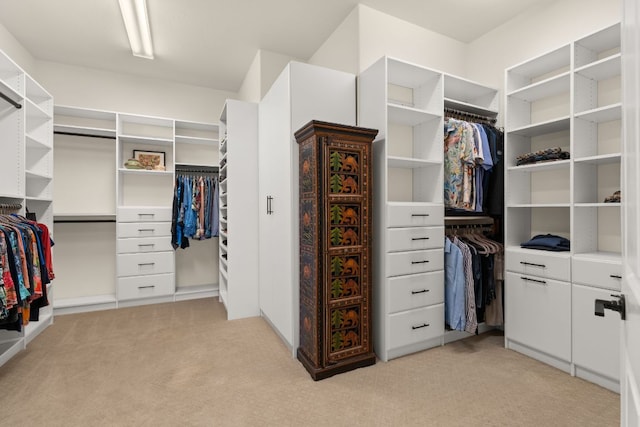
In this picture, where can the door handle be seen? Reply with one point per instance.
(618, 305)
(269, 209)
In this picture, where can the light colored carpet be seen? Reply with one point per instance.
(184, 364)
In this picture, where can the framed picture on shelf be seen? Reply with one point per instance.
(150, 160)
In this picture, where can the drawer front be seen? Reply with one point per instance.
(596, 340)
(414, 238)
(414, 291)
(414, 326)
(144, 214)
(598, 273)
(538, 314)
(143, 229)
(550, 266)
(145, 286)
(414, 215)
(148, 263)
(401, 263)
(146, 244)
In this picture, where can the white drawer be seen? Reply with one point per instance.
(143, 229)
(416, 290)
(400, 263)
(145, 286)
(596, 340)
(144, 244)
(413, 238)
(605, 274)
(538, 314)
(148, 263)
(414, 214)
(550, 265)
(413, 326)
(144, 214)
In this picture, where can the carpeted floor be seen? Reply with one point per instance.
(183, 364)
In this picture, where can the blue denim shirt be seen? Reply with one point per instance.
(454, 287)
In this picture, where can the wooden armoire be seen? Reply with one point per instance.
(335, 248)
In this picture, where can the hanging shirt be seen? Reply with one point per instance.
(459, 162)
(454, 285)
(471, 323)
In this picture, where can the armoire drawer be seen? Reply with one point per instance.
(550, 265)
(143, 229)
(595, 272)
(414, 238)
(538, 313)
(144, 214)
(412, 262)
(414, 214)
(145, 286)
(145, 263)
(414, 291)
(413, 326)
(144, 244)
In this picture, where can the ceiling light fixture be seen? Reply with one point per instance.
(136, 21)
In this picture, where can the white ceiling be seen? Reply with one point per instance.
(211, 43)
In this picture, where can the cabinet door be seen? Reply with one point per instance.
(538, 314)
(596, 340)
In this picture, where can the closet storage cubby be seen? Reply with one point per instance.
(406, 103)
(569, 98)
(26, 172)
(239, 281)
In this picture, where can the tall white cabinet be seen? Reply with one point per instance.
(301, 93)
(239, 280)
(568, 98)
(406, 103)
(26, 171)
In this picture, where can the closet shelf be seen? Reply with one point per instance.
(39, 199)
(409, 116)
(546, 88)
(542, 65)
(469, 108)
(37, 176)
(193, 165)
(410, 163)
(192, 290)
(543, 128)
(35, 143)
(599, 159)
(83, 217)
(597, 205)
(145, 140)
(542, 166)
(602, 69)
(599, 256)
(35, 112)
(84, 130)
(537, 205)
(607, 113)
(144, 172)
(196, 140)
(59, 303)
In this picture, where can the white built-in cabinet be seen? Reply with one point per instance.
(406, 102)
(569, 98)
(26, 171)
(239, 280)
(126, 211)
(301, 93)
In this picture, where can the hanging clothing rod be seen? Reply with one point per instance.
(463, 221)
(10, 101)
(81, 221)
(461, 113)
(57, 132)
(196, 169)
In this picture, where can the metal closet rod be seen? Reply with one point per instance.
(10, 206)
(201, 169)
(10, 101)
(470, 115)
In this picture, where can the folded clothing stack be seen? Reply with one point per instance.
(542, 156)
(548, 242)
(614, 198)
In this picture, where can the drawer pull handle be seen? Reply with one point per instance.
(424, 325)
(419, 262)
(615, 276)
(146, 214)
(419, 238)
(533, 265)
(146, 263)
(533, 280)
(140, 245)
(147, 287)
(419, 214)
(422, 291)
(142, 230)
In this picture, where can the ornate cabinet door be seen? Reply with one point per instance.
(335, 248)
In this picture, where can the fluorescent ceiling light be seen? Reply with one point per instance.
(136, 21)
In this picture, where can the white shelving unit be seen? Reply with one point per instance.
(26, 171)
(239, 280)
(406, 102)
(135, 222)
(568, 98)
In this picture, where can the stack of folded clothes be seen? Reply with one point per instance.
(614, 198)
(542, 156)
(547, 242)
